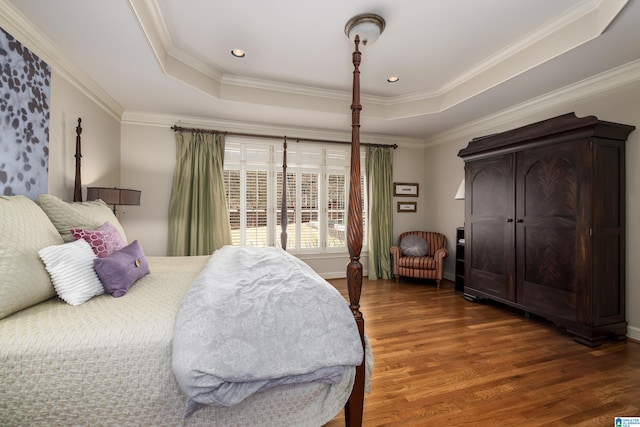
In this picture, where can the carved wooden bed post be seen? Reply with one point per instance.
(354, 408)
(77, 190)
(284, 217)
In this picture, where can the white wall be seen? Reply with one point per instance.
(443, 212)
(100, 140)
(409, 167)
(620, 104)
(147, 163)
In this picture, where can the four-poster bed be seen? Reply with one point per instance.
(355, 404)
(108, 360)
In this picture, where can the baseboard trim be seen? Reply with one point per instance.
(633, 333)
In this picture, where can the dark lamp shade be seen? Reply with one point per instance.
(114, 196)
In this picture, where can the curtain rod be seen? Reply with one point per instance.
(258, 135)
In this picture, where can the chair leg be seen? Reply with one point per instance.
(397, 277)
(438, 283)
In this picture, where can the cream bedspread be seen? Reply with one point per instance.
(108, 362)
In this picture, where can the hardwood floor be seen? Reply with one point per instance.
(442, 361)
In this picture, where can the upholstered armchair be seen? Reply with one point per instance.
(420, 254)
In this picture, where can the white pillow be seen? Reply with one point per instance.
(71, 269)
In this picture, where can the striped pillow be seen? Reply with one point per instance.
(71, 269)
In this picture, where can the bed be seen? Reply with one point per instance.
(109, 360)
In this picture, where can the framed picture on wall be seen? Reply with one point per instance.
(407, 206)
(24, 131)
(405, 189)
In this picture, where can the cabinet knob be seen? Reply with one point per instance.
(509, 219)
(520, 220)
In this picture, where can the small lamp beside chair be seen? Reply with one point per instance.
(114, 196)
(460, 193)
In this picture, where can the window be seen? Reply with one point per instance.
(336, 210)
(317, 195)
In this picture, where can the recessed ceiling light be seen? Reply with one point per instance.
(393, 79)
(238, 53)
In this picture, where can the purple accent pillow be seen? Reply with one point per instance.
(104, 241)
(121, 269)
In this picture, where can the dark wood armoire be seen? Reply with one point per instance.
(545, 223)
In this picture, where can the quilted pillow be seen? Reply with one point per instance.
(71, 269)
(104, 241)
(87, 215)
(121, 269)
(24, 230)
(414, 245)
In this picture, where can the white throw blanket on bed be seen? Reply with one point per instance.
(256, 318)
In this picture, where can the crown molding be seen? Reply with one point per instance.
(612, 79)
(601, 83)
(560, 23)
(152, 24)
(596, 18)
(12, 21)
(569, 30)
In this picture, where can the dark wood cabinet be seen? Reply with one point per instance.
(459, 271)
(545, 218)
(489, 213)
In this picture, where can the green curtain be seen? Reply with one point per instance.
(379, 189)
(198, 218)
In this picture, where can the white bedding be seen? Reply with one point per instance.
(258, 318)
(108, 362)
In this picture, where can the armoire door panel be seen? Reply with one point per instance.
(490, 196)
(488, 253)
(489, 284)
(550, 187)
(608, 297)
(608, 240)
(548, 181)
(609, 187)
(550, 257)
(489, 258)
(489, 224)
